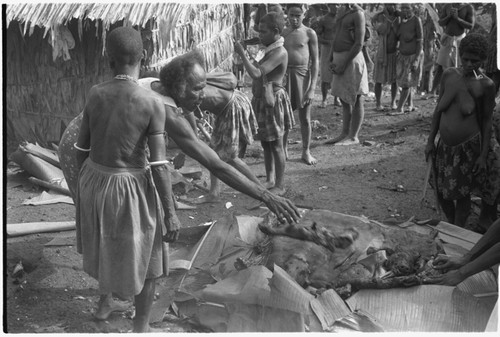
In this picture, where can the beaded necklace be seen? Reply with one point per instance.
(124, 77)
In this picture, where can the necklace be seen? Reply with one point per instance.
(124, 77)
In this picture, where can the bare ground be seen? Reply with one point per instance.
(55, 295)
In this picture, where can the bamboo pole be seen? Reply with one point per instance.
(53, 187)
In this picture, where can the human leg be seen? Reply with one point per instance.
(278, 155)
(394, 92)
(285, 143)
(324, 93)
(346, 123)
(448, 207)
(378, 95)
(242, 167)
(143, 306)
(358, 113)
(405, 91)
(305, 130)
(269, 165)
(437, 78)
(213, 195)
(462, 211)
(410, 99)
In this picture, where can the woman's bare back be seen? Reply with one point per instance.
(120, 115)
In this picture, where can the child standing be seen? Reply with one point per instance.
(274, 116)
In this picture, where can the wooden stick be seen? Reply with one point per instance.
(166, 258)
(438, 207)
(426, 181)
(18, 229)
(48, 185)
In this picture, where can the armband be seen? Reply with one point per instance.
(159, 162)
(80, 149)
(163, 133)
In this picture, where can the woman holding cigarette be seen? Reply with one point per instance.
(465, 159)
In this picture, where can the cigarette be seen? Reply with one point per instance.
(475, 74)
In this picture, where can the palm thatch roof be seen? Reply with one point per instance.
(177, 26)
(136, 14)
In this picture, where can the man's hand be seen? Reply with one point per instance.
(173, 224)
(284, 209)
(479, 165)
(308, 98)
(429, 150)
(454, 13)
(239, 49)
(444, 262)
(337, 69)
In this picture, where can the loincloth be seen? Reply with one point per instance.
(119, 227)
(405, 77)
(324, 63)
(385, 72)
(448, 52)
(297, 81)
(353, 82)
(273, 122)
(67, 153)
(235, 123)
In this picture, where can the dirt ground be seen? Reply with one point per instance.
(55, 295)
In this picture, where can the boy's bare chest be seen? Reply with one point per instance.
(296, 39)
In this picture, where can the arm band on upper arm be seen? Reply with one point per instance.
(159, 162)
(79, 148)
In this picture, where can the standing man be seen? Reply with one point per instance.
(386, 23)
(326, 32)
(455, 19)
(350, 75)
(411, 57)
(301, 43)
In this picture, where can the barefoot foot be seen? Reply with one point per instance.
(308, 159)
(277, 191)
(348, 141)
(108, 306)
(269, 184)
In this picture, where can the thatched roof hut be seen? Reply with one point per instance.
(56, 52)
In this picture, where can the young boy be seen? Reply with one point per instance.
(301, 43)
(273, 120)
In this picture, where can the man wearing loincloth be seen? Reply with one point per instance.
(350, 75)
(326, 31)
(456, 19)
(410, 58)
(466, 157)
(301, 43)
(121, 201)
(386, 24)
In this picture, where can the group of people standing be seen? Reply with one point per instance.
(117, 146)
